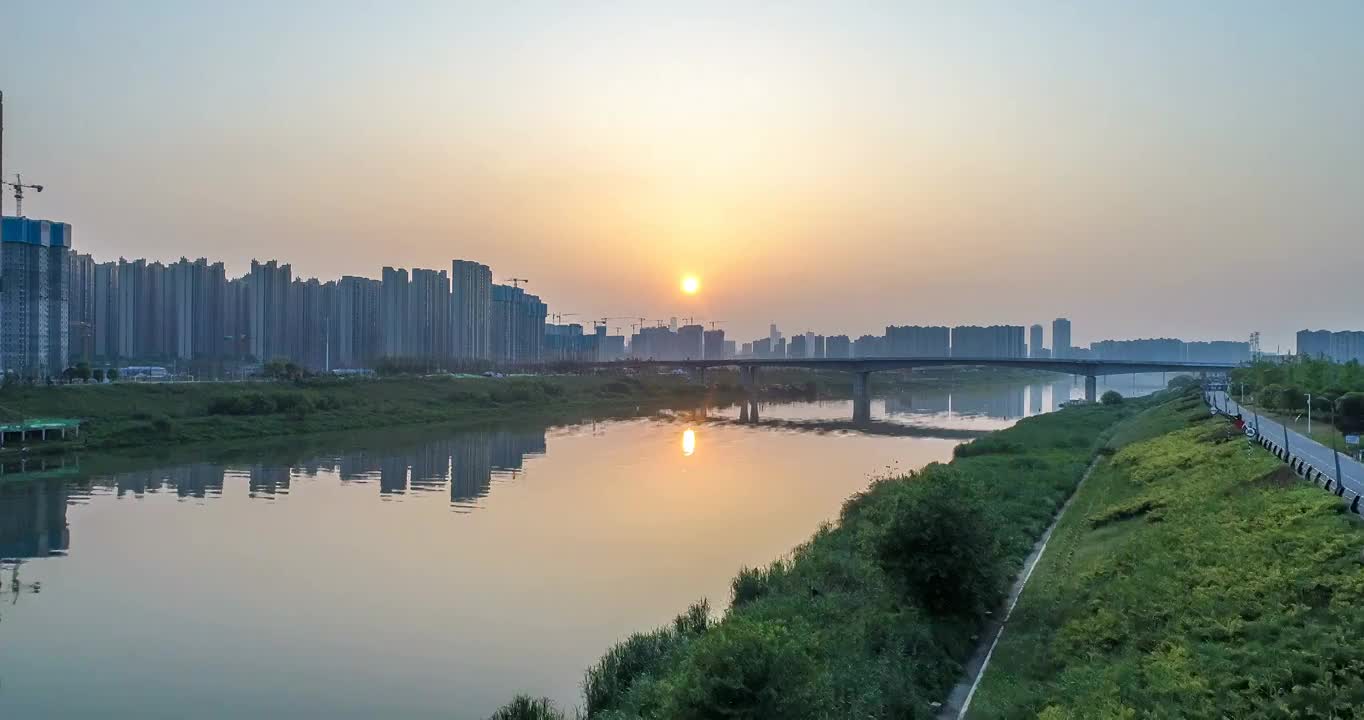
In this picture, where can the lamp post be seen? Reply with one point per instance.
(1309, 415)
(1334, 452)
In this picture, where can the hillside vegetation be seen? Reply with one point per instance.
(1194, 576)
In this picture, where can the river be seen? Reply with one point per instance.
(431, 576)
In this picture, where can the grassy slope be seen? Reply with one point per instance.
(823, 632)
(1193, 577)
(131, 415)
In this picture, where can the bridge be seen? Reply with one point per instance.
(862, 368)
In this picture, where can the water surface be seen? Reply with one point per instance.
(426, 577)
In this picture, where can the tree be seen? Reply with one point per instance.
(98, 375)
(112, 374)
(1112, 397)
(1350, 412)
(83, 371)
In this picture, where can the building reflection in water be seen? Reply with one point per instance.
(33, 519)
(33, 511)
(1004, 403)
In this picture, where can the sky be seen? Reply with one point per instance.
(1146, 169)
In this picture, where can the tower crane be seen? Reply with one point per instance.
(19, 188)
(516, 282)
(713, 323)
(560, 316)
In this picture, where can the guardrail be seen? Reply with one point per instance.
(1311, 473)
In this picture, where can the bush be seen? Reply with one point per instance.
(749, 669)
(524, 707)
(941, 549)
(988, 445)
(1350, 412)
(1112, 397)
(749, 585)
(630, 662)
(1181, 383)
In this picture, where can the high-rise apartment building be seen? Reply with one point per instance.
(1060, 338)
(470, 310)
(105, 302)
(1314, 343)
(81, 308)
(355, 337)
(428, 330)
(1035, 348)
(35, 276)
(918, 341)
(393, 319)
(714, 344)
(838, 346)
(995, 341)
(517, 325)
(267, 305)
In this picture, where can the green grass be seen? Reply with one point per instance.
(857, 622)
(130, 415)
(1194, 576)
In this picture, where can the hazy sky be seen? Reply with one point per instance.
(1137, 166)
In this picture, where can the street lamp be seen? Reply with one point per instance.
(1309, 415)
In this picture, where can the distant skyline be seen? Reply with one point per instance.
(826, 166)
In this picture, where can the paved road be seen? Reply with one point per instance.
(1316, 454)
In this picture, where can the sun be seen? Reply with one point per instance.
(691, 284)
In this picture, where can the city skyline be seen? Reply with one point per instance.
(841, 167)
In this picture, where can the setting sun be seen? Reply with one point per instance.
(691, 284)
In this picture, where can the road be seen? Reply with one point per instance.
(1316, 454)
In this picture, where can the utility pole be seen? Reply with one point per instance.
(1334, 452)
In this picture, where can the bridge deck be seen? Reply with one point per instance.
(874, 364)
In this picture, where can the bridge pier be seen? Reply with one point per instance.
(748, 379)
(862, 396)
(1091, 388)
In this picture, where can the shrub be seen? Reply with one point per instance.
(988, 445)
(941, 549)
(749, 669)
(749, 585)
(1112, 397)
(633, 660)
(524, 707)
(627, 662)
(1350, 412)
(1182, 383)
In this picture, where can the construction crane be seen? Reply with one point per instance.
(19, 188)
(603, 321)
(713, 323)
(560, 316)
(516, 282)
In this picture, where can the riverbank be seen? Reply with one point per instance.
(875, 615)
(133, 417)
(1195, 576)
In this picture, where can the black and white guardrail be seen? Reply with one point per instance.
(1302, 468)
(1311, 473)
